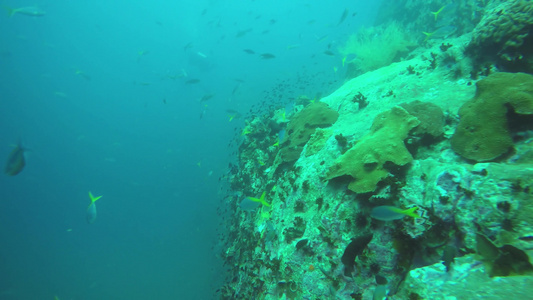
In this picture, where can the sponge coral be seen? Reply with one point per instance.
(384, 143)
(482, 133)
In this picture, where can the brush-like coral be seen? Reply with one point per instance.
(376, 47)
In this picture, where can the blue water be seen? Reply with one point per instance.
(96, 91)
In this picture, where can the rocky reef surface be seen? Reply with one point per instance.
(432, 132)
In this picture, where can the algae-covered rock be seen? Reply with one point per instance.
(303, 125)
(483, 133)
(469, 280)
(430, 116)
(384, 143)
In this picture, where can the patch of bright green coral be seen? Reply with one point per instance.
(483, 133)
(384, 143)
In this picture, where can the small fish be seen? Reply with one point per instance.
(60, 95)
(15, 161)
(281, 136)
(233, 114)
(267, 56)
(82, 74)
(188, 46)
(192, 81)
(445, 11)
(91, 210)
(343, 16)
(31, 11)
(442, 32)
(243, 32)
(448, 257)
(290, 47)
(249, 51)
(251, 203)
(235, 89)
(380, 292)
(322, 38)
(390, 213)
(141, 54)
(329, 52)
(206, 97)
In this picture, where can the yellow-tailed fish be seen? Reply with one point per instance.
(251, 203)
(390, 213)
(91, 210)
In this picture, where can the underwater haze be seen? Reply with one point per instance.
(137, 101)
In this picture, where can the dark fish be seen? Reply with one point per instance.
(206, 97)
(249, 51)
(343, 16)
(267, 56)
(448, 257)
(188, 46)
(243, 32)
(235, 89)
(322, 38)
(15, 161)
(354, 248)
(192, 81)
(328, 52)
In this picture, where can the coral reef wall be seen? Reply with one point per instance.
(412, 136)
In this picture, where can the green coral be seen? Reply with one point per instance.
(483, 133)
(384, 143)
(303, 125)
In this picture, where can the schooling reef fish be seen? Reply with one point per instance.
(15, 161)
(91, 210)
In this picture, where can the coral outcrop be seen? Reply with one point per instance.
(504, 33)
(303, 125)
(365, 161)
(483, 133)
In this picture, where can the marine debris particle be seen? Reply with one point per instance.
(354, 248)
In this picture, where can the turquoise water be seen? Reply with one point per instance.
(97, 91)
